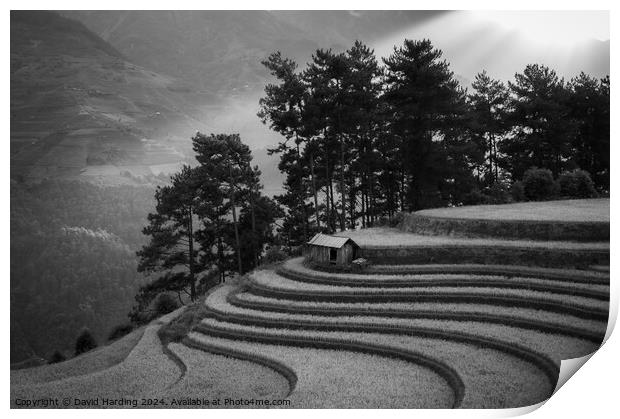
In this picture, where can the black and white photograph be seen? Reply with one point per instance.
(306, 209)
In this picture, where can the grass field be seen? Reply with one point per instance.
(571, 210)
(145, 372)
(393, 237)
(334, 379)
(556, 347)
(482, 370)
(213, 377)
(575, 220)
(96, 360)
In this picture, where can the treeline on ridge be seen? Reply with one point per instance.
(364, 140)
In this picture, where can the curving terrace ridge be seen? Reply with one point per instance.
(322, 328)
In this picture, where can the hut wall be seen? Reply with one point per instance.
(318, 254)
(345, 254)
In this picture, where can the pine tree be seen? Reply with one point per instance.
(589, 108)
(542, 128)
(85, 342)
(426, 101)
(489, 106)
(363, 125)
(226, 161)
(256, 229)
(57, 357)
(322, 117)
(172, 250)
(283, 107)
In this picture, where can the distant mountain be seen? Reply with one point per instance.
(96, 94)
(220, 51)
(79, 107)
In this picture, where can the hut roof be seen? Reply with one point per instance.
(329, 241)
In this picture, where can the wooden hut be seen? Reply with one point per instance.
(329, 249)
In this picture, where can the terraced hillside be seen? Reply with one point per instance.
(406, 332)
(485, 321)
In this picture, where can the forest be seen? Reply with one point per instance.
(73, 262)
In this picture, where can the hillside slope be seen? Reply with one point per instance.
(221, 50)
(77, 103)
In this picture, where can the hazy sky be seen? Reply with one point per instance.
(503, 42)
(552, 27)
(500, 42)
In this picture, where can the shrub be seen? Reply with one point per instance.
(382, 221)
(538, 184)
(576, 184)
(497, 194)
(275, 254)
(140, 317)
(517, 191)
(85, 342)
(296, 250)
(398, 218)
(165, 304)
(386, 221)
(172, 332)
(177, 329)
(475, 197)
(207, 281)
(120, 331)
(57, 357)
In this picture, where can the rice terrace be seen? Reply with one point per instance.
(436, 320)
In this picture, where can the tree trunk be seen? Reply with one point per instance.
(491, 180)
(190, 236)
(363, 205)
(415, 190)
(495, 157)
(234, 214)
(371, 201)
(342, 191)
(327, 200)
(333, 205)
(314, 192)
(343, 213)
(254, 249)
(220, 252)
(368, 209)
(352, 204)
(402, 189)
(303, 195)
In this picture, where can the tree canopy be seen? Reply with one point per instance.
(363, 140)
